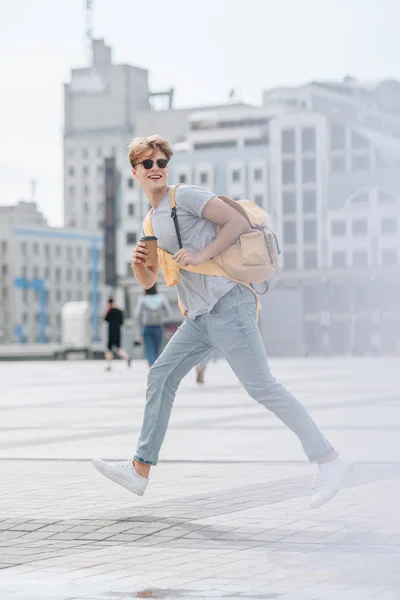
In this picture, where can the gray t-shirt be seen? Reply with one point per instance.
(198, 293)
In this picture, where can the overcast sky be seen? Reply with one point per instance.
(202, 48)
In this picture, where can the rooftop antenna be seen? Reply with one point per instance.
(33, 190)
(89, 32)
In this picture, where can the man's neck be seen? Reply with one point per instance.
(155, 198)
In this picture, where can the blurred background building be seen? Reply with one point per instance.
(323, 159)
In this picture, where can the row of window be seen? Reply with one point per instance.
(308, 171)
(59, 296)
(58, 274)
(290, 232)
(360, 227)
(85, 153)
(359, 162)
(308, 140)
(389, 257)
(236, 176)
(338, 139)
(309, 202)
(49, 252)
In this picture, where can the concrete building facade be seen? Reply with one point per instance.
(42, 268)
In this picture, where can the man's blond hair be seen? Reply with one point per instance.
(141, 146)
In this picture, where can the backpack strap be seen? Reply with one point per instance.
(174, 215)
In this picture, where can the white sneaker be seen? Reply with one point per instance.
(315, 481)
(328, 481)
(123, 473)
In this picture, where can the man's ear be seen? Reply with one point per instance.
(134, 172)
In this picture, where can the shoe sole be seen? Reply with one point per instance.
(114, 477)
(344, 478)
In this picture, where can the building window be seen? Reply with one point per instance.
(85, 153)
(338, 137)
(258, 174)
(131, 238)
(79, 275)
(47, 273)
(4, 269)
(85, 171)
(71, 191)
(360, 258)
(389, 256)
(79, 252)
(71, 171)
(86, 190)
(35, 273)
(289, 203)
(361, 199)
(290, 260)
(289, 232)
(338, 228)
(259, 199)
(99, 151)
(339, 259)
(128, 269)
(57, 274)
(182, 178)
(389, 225)
(310, 232)
(384, 198)
(338, 164)
(114, 151)
(131, 183)
(288, 172)
(288, 141)
(310, 259)
(68, 296)
(131, 210)
(204, 178)
(100, 170)
(35, 249)
(309, 170)
(68, 275)
(236, 175)
(360, 227)
(58, 251)
(358, 141)
(309, 201)
(308, 139)
(85, 208)
(23, 248)
(24, 272)
(360, 163)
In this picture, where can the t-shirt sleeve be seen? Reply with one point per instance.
(193, 199)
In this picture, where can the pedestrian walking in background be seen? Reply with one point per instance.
(151, 311)
(115, 319)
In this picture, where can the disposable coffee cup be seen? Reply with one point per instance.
(151, 245)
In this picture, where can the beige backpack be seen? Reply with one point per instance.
(254, 256)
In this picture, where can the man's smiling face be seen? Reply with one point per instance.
(152, 179)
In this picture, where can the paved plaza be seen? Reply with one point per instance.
(226, 513)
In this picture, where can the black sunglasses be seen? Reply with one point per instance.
(148, 163)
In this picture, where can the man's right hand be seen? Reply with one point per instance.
(139, 256)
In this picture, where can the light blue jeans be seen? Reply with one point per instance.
(232, 328)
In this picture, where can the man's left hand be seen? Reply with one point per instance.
(186, 259)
